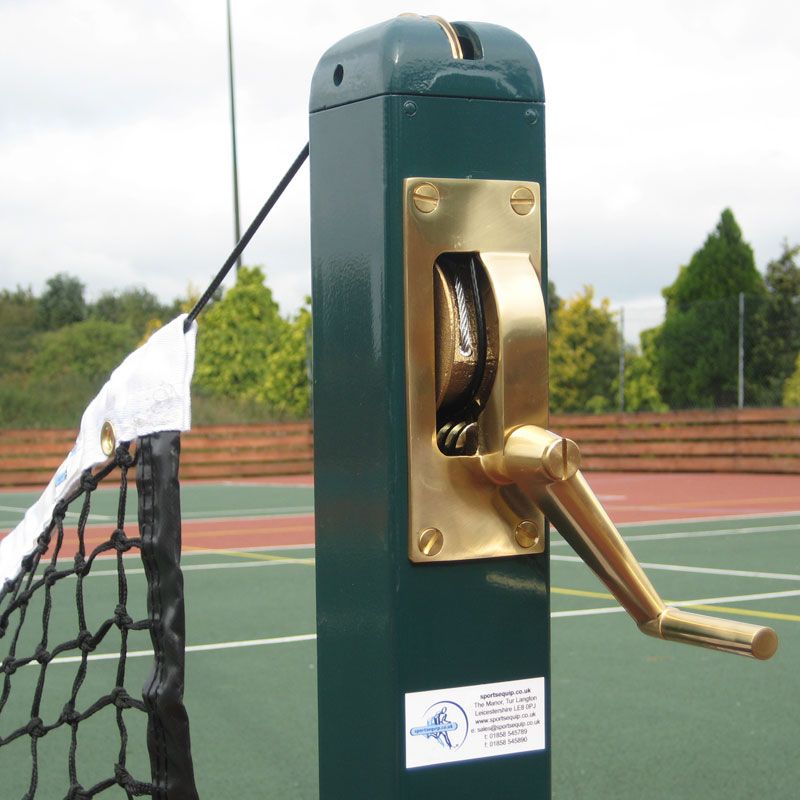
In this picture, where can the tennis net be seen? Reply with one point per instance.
(67, 627)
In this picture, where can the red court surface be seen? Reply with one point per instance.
(243, 534)
(648, 497)
(628, 498)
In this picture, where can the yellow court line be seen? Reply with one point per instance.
(222, 532)
(746, 612)
(267, 531)
(248, 555)
(582, 593)
(749, 612)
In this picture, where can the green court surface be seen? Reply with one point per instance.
(632, 717)
(198, 500)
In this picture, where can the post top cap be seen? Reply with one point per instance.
(412, 55)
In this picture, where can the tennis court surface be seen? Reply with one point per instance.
(632, 717)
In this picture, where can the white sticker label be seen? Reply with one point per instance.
(490, 719)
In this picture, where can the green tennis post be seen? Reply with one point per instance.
(433, 621)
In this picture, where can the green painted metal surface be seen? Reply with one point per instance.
(412, 56)
(387, 627)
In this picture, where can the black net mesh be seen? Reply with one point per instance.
(66, 632)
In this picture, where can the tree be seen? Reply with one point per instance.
(286, 386)
(18, 323)
(67, 368)
(87, 350)
(134, 306)
(584, 355)
(722, 267)
(641, 385)
(791, 388)
(553, 304)
(696, 347)
(238, 337)
(778, 319)
(62, 302)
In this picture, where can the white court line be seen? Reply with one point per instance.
(307, 637)
(781, 576)
(708, 601)
(279, 561)
(194, 648)
(778, 576)
(212, 551)
(721, 518)
(103, 517)
(654, 537)
(252, 513)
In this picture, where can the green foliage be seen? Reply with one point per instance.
(791, 388)
(89, 350)
(18, 323)
(641, 385)
(584, 356)
(554, 302)
(67, 370)
(777, 326)
(723, 267)
(134, 306)
(211, 409)
(252, 365)
(286, 386)
(697, 347)
(238, 338)
(62, 302)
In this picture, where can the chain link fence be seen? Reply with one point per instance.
(734, 352)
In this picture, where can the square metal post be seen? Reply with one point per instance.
(387, 104)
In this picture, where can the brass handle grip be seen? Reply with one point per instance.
(545, 467)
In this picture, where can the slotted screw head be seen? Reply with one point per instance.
(522, 200)
(426, 197)
(431, 541)
(527, 533)
(562, 459)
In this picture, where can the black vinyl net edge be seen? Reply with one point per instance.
(30, 596)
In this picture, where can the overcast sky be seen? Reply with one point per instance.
(115, 138)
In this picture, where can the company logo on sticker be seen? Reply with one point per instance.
(446, 724)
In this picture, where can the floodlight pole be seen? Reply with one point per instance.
(741, 351)
(621, 359)
(236, 234)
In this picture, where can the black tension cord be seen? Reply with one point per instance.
(246, 237)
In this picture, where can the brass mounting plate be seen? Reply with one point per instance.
(452, 501)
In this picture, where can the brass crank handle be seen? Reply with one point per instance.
(545, 467)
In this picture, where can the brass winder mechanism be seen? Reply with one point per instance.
(484, 468)
(465, 322)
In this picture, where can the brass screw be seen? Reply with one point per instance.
(522, 200)
(108, 439)
(426, 197)
(431, 541)
(527, 533)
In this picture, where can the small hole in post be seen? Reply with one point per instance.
(338, 74)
